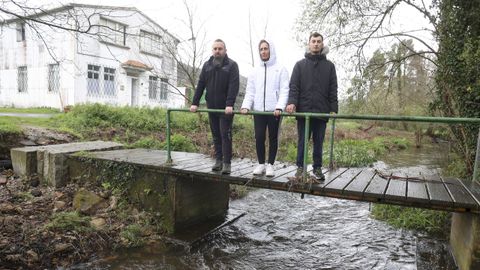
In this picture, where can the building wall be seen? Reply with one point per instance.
(75, 52)
(36, 56)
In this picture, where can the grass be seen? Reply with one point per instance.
(69, 221)
(42, 110)
(412, 218)
(132, 235)
(7, 126)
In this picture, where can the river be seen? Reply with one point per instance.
(282, 231)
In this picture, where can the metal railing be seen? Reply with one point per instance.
(307, 116)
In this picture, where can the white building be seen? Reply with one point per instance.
(109, 55)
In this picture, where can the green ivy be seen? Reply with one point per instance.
(458, 72)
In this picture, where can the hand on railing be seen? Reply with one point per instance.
(193, 108)
(244, 111)
(229, 110)
(277, 112)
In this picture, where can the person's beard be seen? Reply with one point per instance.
(218, 60)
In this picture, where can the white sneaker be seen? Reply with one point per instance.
(269, 171)
(259, 170)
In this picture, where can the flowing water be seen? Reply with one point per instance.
(282, 231)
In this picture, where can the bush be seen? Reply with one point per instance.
(147, 142)
(179, 142)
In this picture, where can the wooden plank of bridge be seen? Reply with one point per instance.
(336, 186)
(397, 188)
(280, 179)
(330, 176)
(439, 196)
(375, 191)
(417, 190)
(177, 157)
(356, 188)
(473, 188)
(460, 196)
(189, 164)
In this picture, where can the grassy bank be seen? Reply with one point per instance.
(430, 221)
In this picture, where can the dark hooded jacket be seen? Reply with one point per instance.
(221, 82)
(313, 85)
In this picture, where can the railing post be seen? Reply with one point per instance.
(332, 137)
(477, 157)
(169, 154)
(305, 146)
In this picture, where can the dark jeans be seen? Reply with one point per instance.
(317, 127)
(261, 123)
(221, 127)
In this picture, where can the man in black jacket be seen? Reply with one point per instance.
(220, 76)
(313, 88)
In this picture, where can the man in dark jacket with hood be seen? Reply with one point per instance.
(313, 88)
(220, 76)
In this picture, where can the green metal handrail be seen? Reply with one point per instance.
(307, 116)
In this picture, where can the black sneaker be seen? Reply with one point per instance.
(318, 174)
(227, 168)
(218, 166)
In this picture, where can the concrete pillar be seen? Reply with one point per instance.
(465, 240)
(24, 160)
(180, 201)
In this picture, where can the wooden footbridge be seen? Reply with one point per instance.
(361, 184)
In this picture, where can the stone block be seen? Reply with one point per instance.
(24, 160)
(51, 160)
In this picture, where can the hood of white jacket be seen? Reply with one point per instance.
(273, 55)
(267, 86)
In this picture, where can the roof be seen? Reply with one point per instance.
(135, 65)
(75, 5)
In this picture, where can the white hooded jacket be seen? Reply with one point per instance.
(267, 86)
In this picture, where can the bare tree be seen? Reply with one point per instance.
(358, 23)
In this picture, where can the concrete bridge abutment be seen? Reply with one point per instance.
(465, 240)
(180, 200)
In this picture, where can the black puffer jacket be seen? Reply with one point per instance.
(313, 85)
(221, 82)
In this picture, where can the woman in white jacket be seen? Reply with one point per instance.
(267, 91)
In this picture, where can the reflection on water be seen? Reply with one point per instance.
(282, 231)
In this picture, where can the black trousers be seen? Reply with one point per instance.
(317, 128)
(221, 127)
(261, 123)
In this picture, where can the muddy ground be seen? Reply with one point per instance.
(34, 233)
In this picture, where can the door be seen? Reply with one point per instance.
(134, 86)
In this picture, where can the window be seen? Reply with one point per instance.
(163, 89)
(112, 32)
(93, 75)
(109, 81)
(152, 87)
(22, 79)
(20, 31)
(150, 43)
(53, 78)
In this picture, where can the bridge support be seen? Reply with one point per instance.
(179, 200)
(465, 240)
